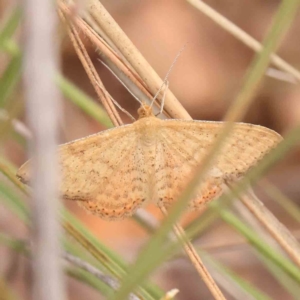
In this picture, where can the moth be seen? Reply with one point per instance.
(116, 171)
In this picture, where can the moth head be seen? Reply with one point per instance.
(145, 111)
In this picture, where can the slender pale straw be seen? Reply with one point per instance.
(167, 76)
(42, 107)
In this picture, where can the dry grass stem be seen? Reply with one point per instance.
(114, 284)
(107, 262)
(248, 217)
(70, 229)
(42, 107)
(170, 295)
(279, 232)
(92, 74)
(144, 216)
(112, 60)
(281, 75)
(134, 72)
(196, 261)
(17, 125)
(229, 284)
(134, 57)
(128, 114)
(243, 36)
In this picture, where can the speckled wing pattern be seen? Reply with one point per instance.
(103, 172)
(114, 172)
(183, 145)
(107, 172)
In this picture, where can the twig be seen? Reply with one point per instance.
(279, 197)
(18, 126)
(226, 279)
(280, 233)
(123, 110)
(281, 75)
(42, 99)
(112, 60)
(112, 266)
(114, 284)
(242, 36)
(251, 220)
(92, 73)
(134, 57)
(196, 260)
(146, 219)
(170, 294)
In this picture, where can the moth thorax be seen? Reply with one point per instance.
(145, 111)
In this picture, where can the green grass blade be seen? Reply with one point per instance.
(107, 258)
(281, 22)
(254, 174)
(86, 277)
(7, 31)
(9, 79)
(290, 285)
(287, 204)
(21, 247)
(146, 261)
(244, 285)
(12, 73)
(83, 101)
(12, 200)
(15, 244)
(252, 237)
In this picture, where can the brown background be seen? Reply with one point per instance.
(206, 78)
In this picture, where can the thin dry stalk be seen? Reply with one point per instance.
(141, 214)
(196, 260)
(233, 289)
(113, 283)
(248, 217)
(134, 57)
(100, 256)
(242, 36)
(42, 107)
(279, 232)
(123, 72)
(170, 295)
(281, 75)
(114, 33)
(18, 126)
(92, 74)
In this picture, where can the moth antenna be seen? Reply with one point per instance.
(163, 99)
(133, 95)
(122, 109)
(119, 106)
(167, 75)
